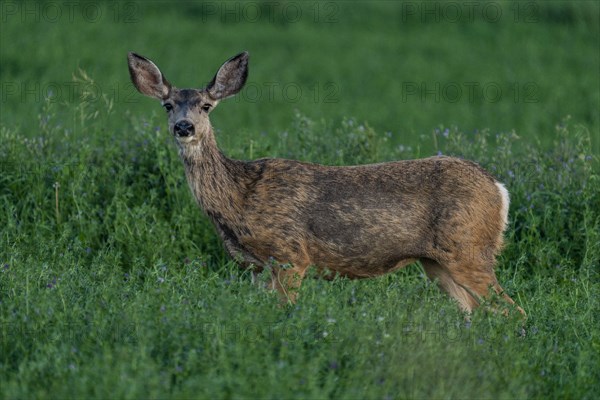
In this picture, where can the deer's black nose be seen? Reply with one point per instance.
(183, 128)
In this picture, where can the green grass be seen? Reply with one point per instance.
(113, 284)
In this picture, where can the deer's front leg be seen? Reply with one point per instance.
(286, 280)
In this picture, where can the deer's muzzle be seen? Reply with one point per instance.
(183, 128)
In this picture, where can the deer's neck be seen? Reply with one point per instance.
(216, 181)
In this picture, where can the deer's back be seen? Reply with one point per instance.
(369, 216)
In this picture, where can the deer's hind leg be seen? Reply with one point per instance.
(446, 282)
(469, 280)
(476, 274)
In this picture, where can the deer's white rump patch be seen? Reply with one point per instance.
(505, 203)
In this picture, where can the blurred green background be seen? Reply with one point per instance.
(403, 67)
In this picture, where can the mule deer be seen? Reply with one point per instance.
(359, 221)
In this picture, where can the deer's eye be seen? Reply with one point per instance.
(206, 107)
(168, 106)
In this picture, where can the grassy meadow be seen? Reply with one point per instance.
(114, 285)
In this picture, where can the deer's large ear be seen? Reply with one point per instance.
(147, 78)
(230, 78)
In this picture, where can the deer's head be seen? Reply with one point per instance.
(188, 109)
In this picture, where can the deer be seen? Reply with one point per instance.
(356, 221)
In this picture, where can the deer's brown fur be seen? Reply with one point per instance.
(358, 221)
